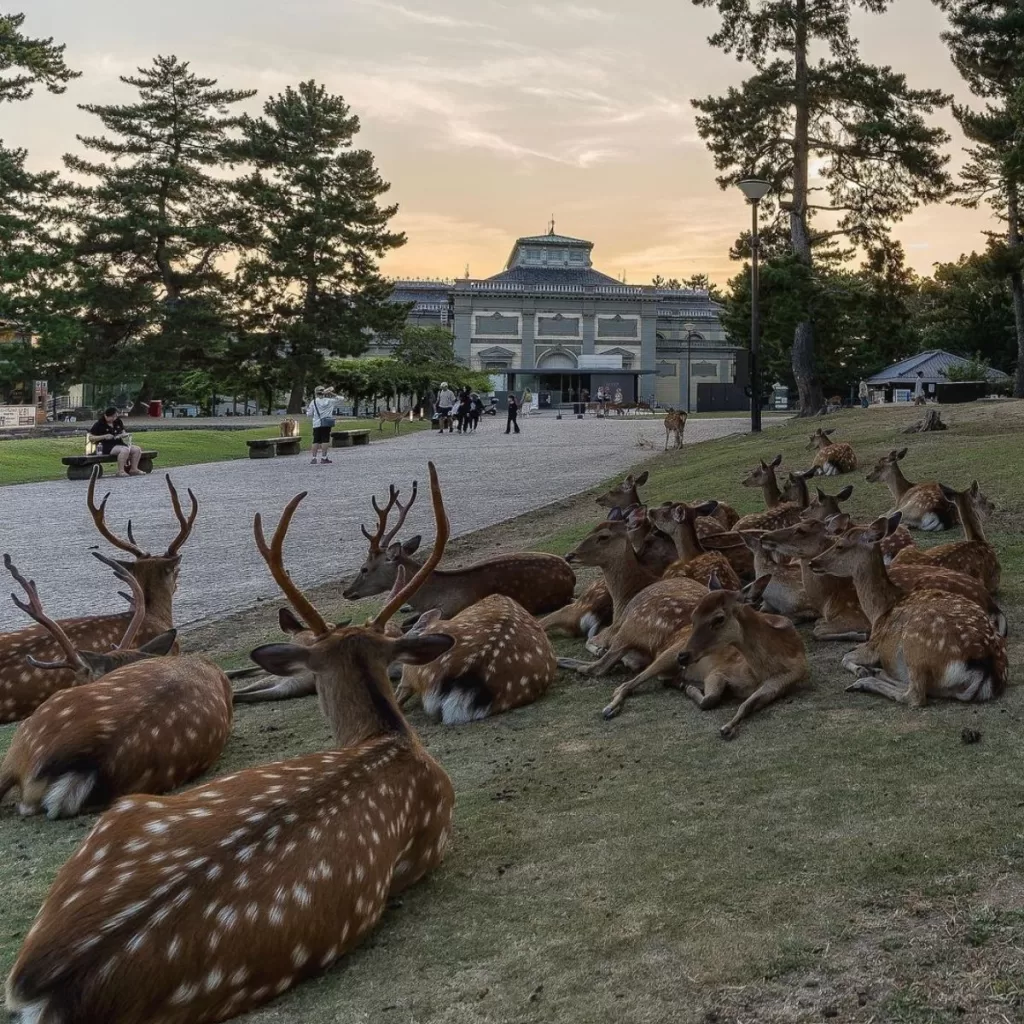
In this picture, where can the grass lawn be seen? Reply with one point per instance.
(843, 858)
(34, 459)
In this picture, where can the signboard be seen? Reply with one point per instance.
(600, 362)
(17, 416)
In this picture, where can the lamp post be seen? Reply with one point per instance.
(755, 189)
(690, 335)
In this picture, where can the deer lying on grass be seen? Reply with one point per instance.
(831, 459)
(24, 686)
(897, 538)
(769, 644)
(142, 723)
(205, 904)
(625, 497)
(675, 421)
(502, 659)
(973, 555)
(923, 644)
(924, 506)
(540, 582)
(387, 416)
(784, 590)
(778, 513)
(694, 561)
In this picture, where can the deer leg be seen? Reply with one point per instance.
(834, 631)
(861, 659)
(403, 692)
(880, 683)
(275, 689)
(770, 690)
(711, 696)
(601, 667)
(664, 664)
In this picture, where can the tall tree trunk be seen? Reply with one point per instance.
(804, 371)
(141, 404)
(1016, 281)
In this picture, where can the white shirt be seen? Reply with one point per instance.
(319, 409)
(446, 399)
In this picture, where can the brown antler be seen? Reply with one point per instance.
(137, 599)
(98, 515)
(185, 524)
(379, 541)
(273, 556)
(34, 609)
(396, 600)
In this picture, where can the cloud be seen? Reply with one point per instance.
(420, 17)
(563, 14)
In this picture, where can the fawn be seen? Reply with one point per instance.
(143, 723)
(679, 521)
(202, 905)
(923, 644)
(783, 591)
(778, 513)
(831, 459)
(924, 506)
(675, 421)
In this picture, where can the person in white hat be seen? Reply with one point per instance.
(445, 401)
(320, 412)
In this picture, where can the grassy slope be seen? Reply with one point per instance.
(844, 857)
(28, 461)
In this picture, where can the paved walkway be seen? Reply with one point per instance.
(486, 477)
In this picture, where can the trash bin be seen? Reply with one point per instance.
(156, 409)
(578, 408)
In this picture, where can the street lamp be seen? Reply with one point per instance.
(755, 189)
(690, 335)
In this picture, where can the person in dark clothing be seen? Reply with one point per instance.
(462, 412)
(110, 437)
(513, 414)
(476, 410)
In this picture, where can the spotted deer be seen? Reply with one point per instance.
(973, 555)
(139, 722)
(24, 685)
(202, 905)
(923, 506)
(778, 513)
(387, 416)
(624, 496)
(289, 427)
(783, 591)
(653, 546)
(925, 644)
(540, 582)
(769, 644)
(831, 458)
(679, 521)
(502, 659)
(897, 538)
(658, 551)
(675, 422)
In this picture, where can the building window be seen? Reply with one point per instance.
(704, 369)
(667, 369)
(497, 325)
(496, 366)
(618, 327)
(557, 325)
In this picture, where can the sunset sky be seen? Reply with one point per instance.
(490, 116)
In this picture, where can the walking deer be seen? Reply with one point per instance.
(694, 562)
(540, 582)
(24, 685)
(675, 422)
(143, 723)
(202, 905)
(387, 416)
(924, 506)
(769, 644)
(778, 513)
(973, 555)
(831, 459)
(502, 659)
(923, 644)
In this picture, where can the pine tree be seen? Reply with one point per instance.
(986, 42)
(312, 281)
(33, 61)
(863, 127)
(157, 222)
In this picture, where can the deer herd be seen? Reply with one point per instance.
(202, 904)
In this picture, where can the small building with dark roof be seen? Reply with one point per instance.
(930, 367)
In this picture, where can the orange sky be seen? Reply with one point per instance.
(489, 116)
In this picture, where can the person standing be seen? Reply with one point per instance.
(919, 388)
(465, 407)
(320, 411)
(513, 414)
(110, 437)
(476, 410)
(527, 403)
(863, 394)
(445, 401)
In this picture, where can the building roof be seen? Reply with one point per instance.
(550, 238)
(585, 276)
(930, 364)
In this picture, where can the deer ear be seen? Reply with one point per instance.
(289, 622)
(752, 538)
(876, 531)
(642, 478)
(753, 592)
(410, 546)
(428, 618)
(947, 492)
(160, 645)
(901, 453)
(281, 659)
(974, 488)
(629, 482)
(678, 513)
(616, 515)
(893, 524)
(821, 494)
(707, 509)
(777, 461)
(829, 432)
(714, 583)
(837, 524)
(420, 650)
(845, 493)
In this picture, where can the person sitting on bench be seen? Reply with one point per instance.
(110, 438)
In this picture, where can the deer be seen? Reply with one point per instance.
(205, 904)
(653, 546)
(24, 685)
(898, 537)
(694, 561)
(783, 591)
(502, 659)
(925, 644)
(769, 644)
(625, 497)
(134, 722)
(289, 427)
(973, 555)
(778, 513)
(924, 506)
(832, 459)
(675, 422)
(540, 582)
(387, 416)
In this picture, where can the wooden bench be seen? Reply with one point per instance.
(348, 438)
(80, 466)
(271, 447)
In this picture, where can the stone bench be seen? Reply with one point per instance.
(348, 438)
(270, 447)
(80, 466)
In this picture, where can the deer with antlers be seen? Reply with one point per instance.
(923, 506)
(973, 555)
(24, 686)
(143, 723)
(540, 582)
(925, 644)
(205, 904)
(831, 458)
(778, 513)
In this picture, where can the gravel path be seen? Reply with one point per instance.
(487, 478)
